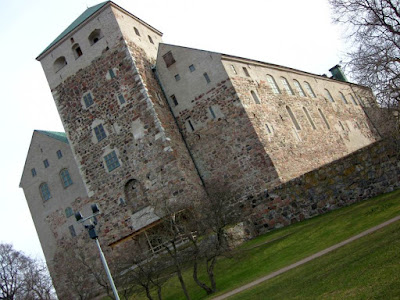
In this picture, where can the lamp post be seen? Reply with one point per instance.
(91, 228)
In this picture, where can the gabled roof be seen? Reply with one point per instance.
(86, 14)
(61, 136)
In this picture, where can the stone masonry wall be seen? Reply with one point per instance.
(363, 174)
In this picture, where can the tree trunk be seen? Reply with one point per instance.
(208, 290)
(210, 272)
(148, 293)
(183, 284)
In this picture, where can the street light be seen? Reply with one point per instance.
(91, 228)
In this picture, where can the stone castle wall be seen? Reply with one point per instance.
(363, 174)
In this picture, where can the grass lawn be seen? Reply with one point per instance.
(285, 246)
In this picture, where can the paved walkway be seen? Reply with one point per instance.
(305, 260)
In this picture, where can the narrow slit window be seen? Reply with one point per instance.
(324, 119)
(46, 163)
(212, 112)
(173, 98)
(268, 129)
(329, 96)
(190, 125)
(150, 39)
(273, 85)
(292, 116)
(33, 171)
(309, 118)
(255, 97)
(299, 88)
(207, 77)
(121, 99)
(136, 31)
(246, 72)
(341, 126)
(343, 98)
(112, 73)
(353, 100)
(360, 100)
(309, 89)
(287, 86)
(233, 69)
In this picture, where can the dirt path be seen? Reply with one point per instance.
(305, 260)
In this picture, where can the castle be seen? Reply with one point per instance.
(148, 123)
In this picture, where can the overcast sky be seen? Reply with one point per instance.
(293, 33)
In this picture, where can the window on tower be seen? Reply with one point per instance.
(95, 36)
(169, 59)
(76, 49)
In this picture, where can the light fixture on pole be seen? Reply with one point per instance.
(91, 228)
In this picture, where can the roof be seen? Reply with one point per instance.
(61, 136)
(86, 14)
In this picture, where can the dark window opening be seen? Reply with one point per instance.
(246, 72)
(59, 154)
(174, 100)
(33, 171)
(177, 77)
(212, 112)
(207, 77)
(150, 39)
(136, 31)
(46, 163)
(169, 59)
(121, 99)
(191, 125)
(192, 68)
(112, 73)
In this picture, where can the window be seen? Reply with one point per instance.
(255, 97)
(136, 31)
(112, 73)
(169, 59)
(273, 84)
(190, 124)
(121, 99)
(59, 154)
(46, 163)
(353, 100)
(360, 100)
(72, 230)
(177, 77)
(207, 77)
(295, 123)
(112, 161)
(33, 171)
(343, 98)
(246, 72)
(173, 98)
(268, 129)
(233, 69)
(192, 68)
(341, 125)
(329, 96)
(77, 51)
(309, 118)
(44, 191)
(65, 178)
(287, 86)
(95, 36)
(150, 39)
(88, 99)
(309, 89)
(100, 132)
(324, 119)
(299, 88)
(59, 63)
(212, 112)
(69, 212)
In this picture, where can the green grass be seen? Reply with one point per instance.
(368, 268)
(285, 246)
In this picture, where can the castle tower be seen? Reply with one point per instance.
(129, 151)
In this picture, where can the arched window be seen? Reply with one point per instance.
(309, 89)
(134, 194)
(65, 178)
(273, 84)
(295, 123)
(329, 96)
(255, 97)
(69, 212)
(353, 100)
(287, 86)
(324, 119)
(95, 36)
(44, 191)
(59, 63)
(299, 88)
(309, 118)
(76, 49)
(343, 98)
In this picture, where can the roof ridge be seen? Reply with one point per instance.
(61, 136)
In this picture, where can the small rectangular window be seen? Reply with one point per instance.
(192, 68)
(72, 230)
(112, 161)
(33, 171)
(121, 99)
(136, 31)
(246, 72)
(150, 39)
(88, 99)
(233, 69)
(177, 77)
(46, 163)
(212, 112)
(100, 132)
(59, 154)
(111, 72)
(207, 77)
(169, 59)
(174, 100)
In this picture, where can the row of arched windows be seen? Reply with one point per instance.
(61, 61)
(66, 181)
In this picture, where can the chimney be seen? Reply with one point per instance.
(338, 74)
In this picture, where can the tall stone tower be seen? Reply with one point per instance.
(129, 151)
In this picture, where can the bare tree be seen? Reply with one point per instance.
(22, 277)
(374, 28)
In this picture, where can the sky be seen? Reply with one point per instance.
(293, 33)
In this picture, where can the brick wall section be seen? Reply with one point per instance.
(363, 174)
